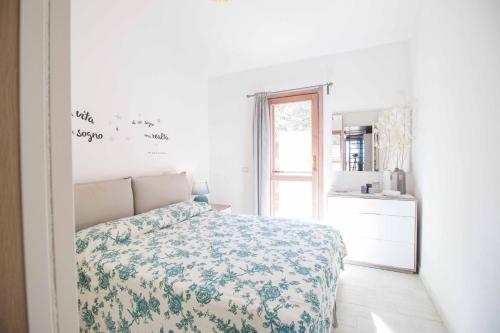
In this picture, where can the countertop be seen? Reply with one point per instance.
(358, 194)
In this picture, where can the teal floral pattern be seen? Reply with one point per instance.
(188, 268)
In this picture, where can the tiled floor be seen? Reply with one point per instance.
(373, 300)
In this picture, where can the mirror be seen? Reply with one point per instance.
(358, 149)
(372, 140)
(354, 141)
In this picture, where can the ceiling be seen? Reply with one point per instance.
(217, 38)
(244, 34)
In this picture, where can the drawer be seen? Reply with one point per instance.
(343, 205)
(383, 227)
(379, 252)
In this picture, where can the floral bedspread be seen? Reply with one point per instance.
(187, 268)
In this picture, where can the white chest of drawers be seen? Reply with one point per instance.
(378, 231)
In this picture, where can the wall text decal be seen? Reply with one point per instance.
(157, 136)
(85, 115)
(90, 135)
(140, 122)
(154, 137)
(143, 133)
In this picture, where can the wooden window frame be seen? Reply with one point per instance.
(316, 178)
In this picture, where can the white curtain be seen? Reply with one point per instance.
(261, 157)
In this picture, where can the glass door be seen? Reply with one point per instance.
(295, 156)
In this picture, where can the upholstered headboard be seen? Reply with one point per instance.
(103, 201)
(114, 199)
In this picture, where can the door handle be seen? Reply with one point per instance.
(315, 168)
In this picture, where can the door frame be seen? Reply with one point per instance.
(317, 120)
(46, 166)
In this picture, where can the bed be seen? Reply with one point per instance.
(188, 268)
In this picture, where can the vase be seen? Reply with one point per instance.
(387, 180)
(399, 180)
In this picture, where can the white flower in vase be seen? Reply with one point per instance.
(394, 137)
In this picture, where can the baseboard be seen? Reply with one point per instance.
(386, 268)
(432, 295)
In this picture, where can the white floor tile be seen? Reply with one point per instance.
(373, 300)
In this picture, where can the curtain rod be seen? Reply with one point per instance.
(328, 85)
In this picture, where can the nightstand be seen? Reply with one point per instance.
(221, 208)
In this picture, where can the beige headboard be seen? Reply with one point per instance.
(114, 199)
(103, 201)
(159, 191)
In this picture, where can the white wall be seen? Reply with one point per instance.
(456, 159)
(368, 79)
(127, 64)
